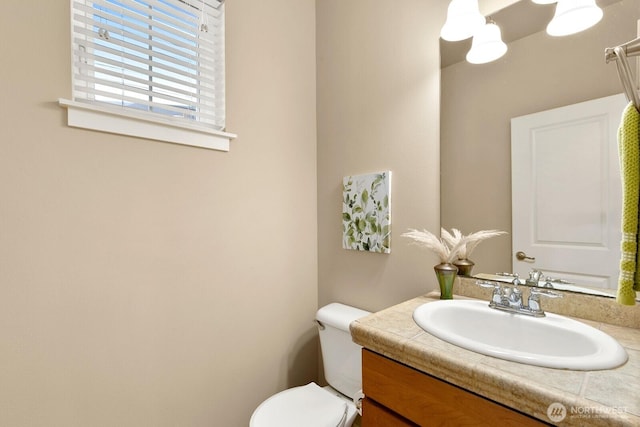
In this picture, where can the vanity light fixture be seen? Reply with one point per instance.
(463, 19)
(573, 16)
(487, 44)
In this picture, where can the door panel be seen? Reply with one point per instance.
(566, 192)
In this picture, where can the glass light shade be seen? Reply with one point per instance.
(487, 45)
(573, 16)
(463, 20)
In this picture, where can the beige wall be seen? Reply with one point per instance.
(378, 109)
(490, 6)
(150, 284)
(538, 72)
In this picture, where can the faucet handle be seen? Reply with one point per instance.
(497, 287)
(545, 292)
(498, 292)
(505, 274)
(534, 298)
(487, 284)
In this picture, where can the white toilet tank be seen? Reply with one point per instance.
(341, 357)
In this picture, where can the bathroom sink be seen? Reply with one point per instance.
(552, 341)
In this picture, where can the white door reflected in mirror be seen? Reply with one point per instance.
(566, 192)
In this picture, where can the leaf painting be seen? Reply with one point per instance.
(366, 212)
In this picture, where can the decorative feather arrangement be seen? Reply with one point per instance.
(445, 251)
(471, 240)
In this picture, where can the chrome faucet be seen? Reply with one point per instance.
(513, 297)
(535, 276)
(509, 298)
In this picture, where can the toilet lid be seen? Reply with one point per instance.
(308, 405)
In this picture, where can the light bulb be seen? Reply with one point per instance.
(573, 16)
(487, 45)
(463, 20)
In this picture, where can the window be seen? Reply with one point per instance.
(152, 64)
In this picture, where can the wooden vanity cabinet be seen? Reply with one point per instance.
(397, 395)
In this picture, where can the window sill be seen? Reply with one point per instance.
(131, 123)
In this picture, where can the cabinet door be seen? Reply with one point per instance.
(376, 415)
(428, 401)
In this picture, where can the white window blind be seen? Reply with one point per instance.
(161, 57)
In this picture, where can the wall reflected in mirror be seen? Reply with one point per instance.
(539, 72)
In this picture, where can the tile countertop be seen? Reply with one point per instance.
(591, 398)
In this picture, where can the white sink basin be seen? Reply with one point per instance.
(553, 341)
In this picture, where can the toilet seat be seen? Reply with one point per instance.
(309, 406)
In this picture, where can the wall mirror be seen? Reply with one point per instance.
(539, 72)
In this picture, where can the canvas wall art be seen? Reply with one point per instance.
(366, 212)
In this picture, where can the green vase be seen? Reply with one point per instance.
(446, 274)
(464, 267)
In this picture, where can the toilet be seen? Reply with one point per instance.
(314, 406)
